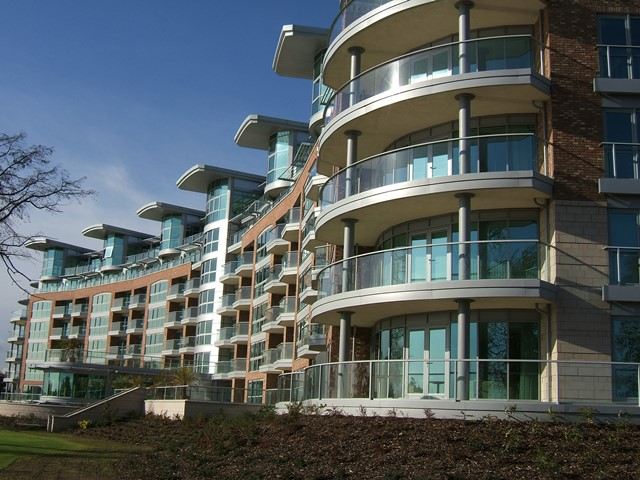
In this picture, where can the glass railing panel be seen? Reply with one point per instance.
(288, 304)
(243, 293)
(61, 332)
(177, 289)
(79, 331)
(621, 160)
(134, 349)
(245, 258)
(270, 355)
(63, 310)
(230, 268)
(294, 215)
(187, 342)
(242, 328)
(226, 333)
(624, 265)
(354, 10)
(491, 153)
(290, 260)
(486, 54)
(135, 324)
(228, 299)
(175, 317)
(172, 344)
(285, 351)
(139, 299)
(504, 259)
(619, 61)
(192, 284)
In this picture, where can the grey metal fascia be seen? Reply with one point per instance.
(621, 293)
(296, 50)
(255, 130)
(616, 86)
(430, 186)
(621, 186)
(428, 291)
(199, 177)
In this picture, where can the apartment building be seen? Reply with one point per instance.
(138, 306)
(459, 219)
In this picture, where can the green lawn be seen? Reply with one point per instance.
(42, 456)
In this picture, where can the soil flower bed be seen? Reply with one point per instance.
(333, 446)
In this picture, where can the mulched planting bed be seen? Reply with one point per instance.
(340, 447)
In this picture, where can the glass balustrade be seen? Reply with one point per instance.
(619, 61)
(69, 284)
(243, 293)
(229, 268)
(485, 54)
(491, 153)
(489, 260)
(290, 260)
(621, 160)
(354, 10)
(226, 333)
(624, 265)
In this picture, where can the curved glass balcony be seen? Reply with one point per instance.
(490, 260)
(352, 12)
(485, 54)
(491, 153)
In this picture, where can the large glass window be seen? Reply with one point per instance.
(279, 156)
(172, 231)
(321, 93)
(211, 240)
(203, 332)
(217, 200)
(428, 343)
(625, 348)
(206, 301)
(254, 392)
(53, 262)
(209, 269)
(619, 46)
(114, 250)
(158, 292)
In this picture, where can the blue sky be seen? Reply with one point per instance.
(131, 93)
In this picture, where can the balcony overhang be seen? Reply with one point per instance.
(297, 48)
(199, 177)
(157, 211)
(255, 130)
(100, 231)
(383, 207)
(42, 244)
(370, 305)
(404, 25)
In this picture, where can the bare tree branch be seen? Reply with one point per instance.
(28, 182)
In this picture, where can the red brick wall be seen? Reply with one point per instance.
(576, 114)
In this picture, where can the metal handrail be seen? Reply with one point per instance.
(416, 52)
(429, 245)
(418, 145)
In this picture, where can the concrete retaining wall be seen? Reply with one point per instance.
(126, 404)
(192, 408)
(478, 409)
(35, 410)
